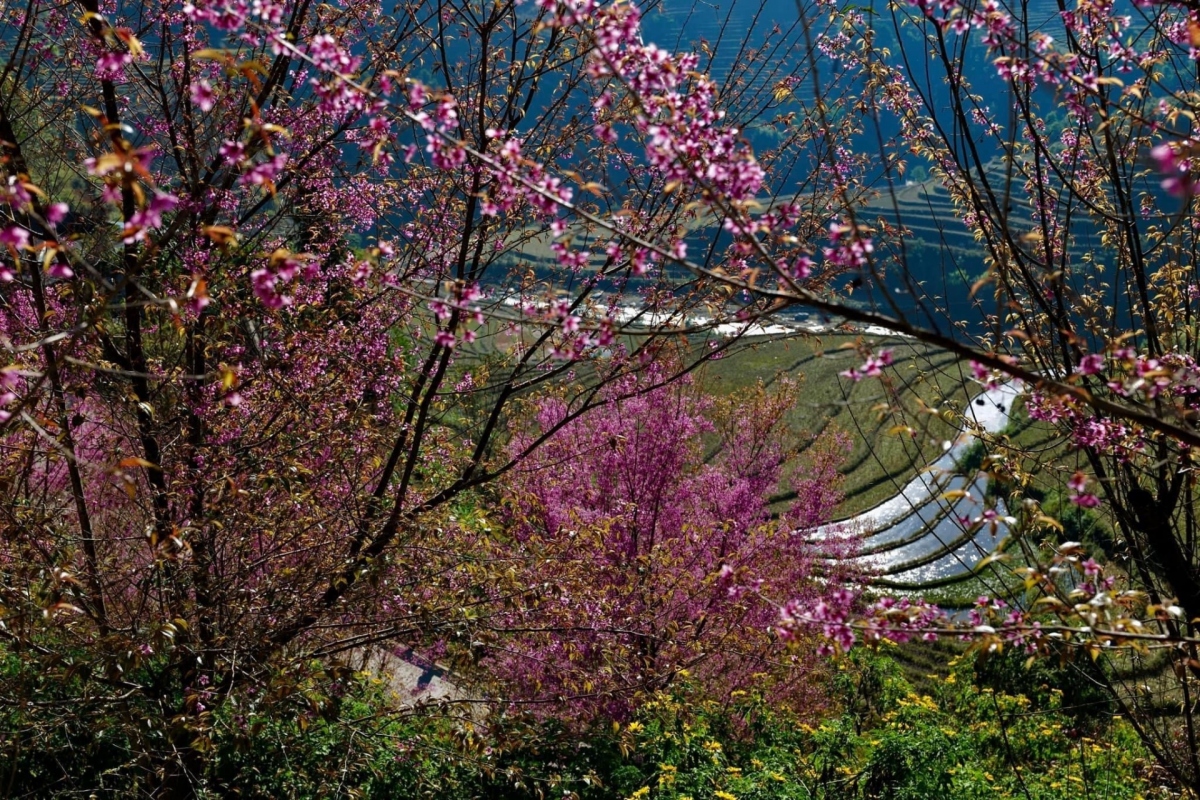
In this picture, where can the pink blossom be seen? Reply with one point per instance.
(57, 212)
(202, 94)
(265, 284)
(16, 194)
(630, 485)
(264, 172)
(196, 298)
(110, 66)
(1091, 364)
(985, 375)
(60, 269)
(10, 383)
(1176, 169)
(417, 96)
(871, 368)
(149, 217)
(232, 152)
(14, 236)
(440, 309)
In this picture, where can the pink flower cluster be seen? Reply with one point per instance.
(149, 217)
(842, 615)
(281, 269)
(677, 115)
(871, 368)
(1175, 167)
(463, 299)
(849, 247)
(1130, 375)
(236, 15)
(10, 382)
(16, 239)
(1080, 496)
(663, 537)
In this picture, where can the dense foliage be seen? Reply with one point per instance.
(341, 736)
(331, 331)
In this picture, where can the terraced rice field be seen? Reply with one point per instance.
(937, 527)
(897, 486)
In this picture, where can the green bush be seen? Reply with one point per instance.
(963, 742)
(992, 730)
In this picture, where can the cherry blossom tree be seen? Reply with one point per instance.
(1061, 194)
(275, 278)
(643, 540)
